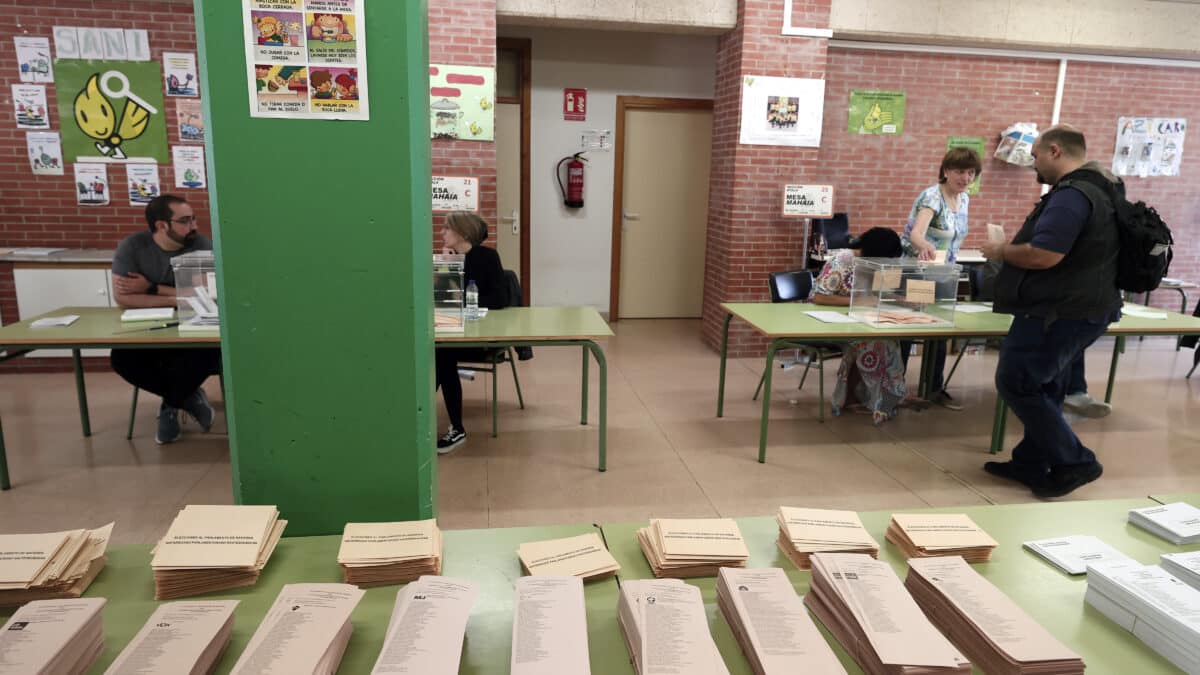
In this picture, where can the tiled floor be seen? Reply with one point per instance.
(668, 454)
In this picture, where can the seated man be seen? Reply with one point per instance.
(142, 277)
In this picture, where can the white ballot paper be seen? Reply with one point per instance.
(828, 316)
(425, 634)
(179, 637)
(1072, 554)
(305, 631)
(1183, 566)
(549, 635)
(53, 636)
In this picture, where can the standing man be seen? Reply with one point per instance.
(142, 277)
(1058, 280)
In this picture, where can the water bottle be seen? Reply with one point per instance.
(472, 301)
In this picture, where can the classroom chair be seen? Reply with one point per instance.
(493, 358)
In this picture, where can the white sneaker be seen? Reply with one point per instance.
(1086, 406)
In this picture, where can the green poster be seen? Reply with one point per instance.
(975, 143)
(111, 110)
(876, 112)
(461, 102)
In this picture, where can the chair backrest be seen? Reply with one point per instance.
(514, 288)
(790, 286)
(835, 229)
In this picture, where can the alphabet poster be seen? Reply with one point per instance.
(1149, 146)
(111, 111)
(782, 111)
(29, 106)
(91, 184)
(33, 59)
(143, 183)
(307, 59)
(45, 153)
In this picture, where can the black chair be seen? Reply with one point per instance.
(493, 358)
(836, 230)
(1192, 341)
(796, 286)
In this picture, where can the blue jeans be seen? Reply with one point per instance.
(1077, 380)
(1035, 362)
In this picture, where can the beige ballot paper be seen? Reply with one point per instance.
(702, 538)
(769, 619)
(939, 257)
(920, 291)
(179, 637)
(549, 634)
(23, 557)
(425, 635)
(830, 529)
(389, 541)
(53, 636)
(305, 631)
(886, 279)
(996, 233)
(215, 536)
(582, 556)
(674, 633)
(942, 530)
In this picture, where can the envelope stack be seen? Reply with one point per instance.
(922, 535)
(698, 547)
(214, 548)
(383, 554)
(51, 565)
(803, 532)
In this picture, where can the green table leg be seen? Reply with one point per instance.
(602, 363)
(81, 392)
(495, 400)
(583, 406)
(721, 381)
(4, 484)
(1118, 348)
(766, 406)
(926, 369)
(999, 419)
(1182, 310)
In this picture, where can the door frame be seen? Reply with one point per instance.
(625, 104)
(523, 46)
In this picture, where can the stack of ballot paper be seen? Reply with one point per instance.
(51, 565)
(53, 636)
(1072, 554)
(584, 556)
(996, 634)
(1158, 608)
(55, 321)
(429, 621)
(770, 623)
(549, 632)
(179, 637)
(806, 531)
(148, 314)
(665, 628)
(305, 631)
(214, 548)
(1178, 523)
(864, 604)
(921, 535)
(696, 547)
(382, 554)
(1183, 566)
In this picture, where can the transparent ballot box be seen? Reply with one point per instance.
(196, 291)
(449, 292)
(902, 292)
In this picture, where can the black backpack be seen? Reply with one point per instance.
(1145, 254)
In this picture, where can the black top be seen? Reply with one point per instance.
(138, 254)
(482, 263)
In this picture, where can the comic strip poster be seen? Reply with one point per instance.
(111, 111)
(29, 106)
(188, 162)
(1149, 146)
(33, 59)
(179, 74)
(143, 183)
(307, 59)
(45, 153)
(91, 184)
(191, 120)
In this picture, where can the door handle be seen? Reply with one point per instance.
(630, 216)
(515, 219)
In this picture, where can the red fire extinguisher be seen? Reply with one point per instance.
(573, 191)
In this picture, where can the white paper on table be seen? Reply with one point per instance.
(176, 635)
(675, 635)
(549, 633)
(1074, 553)
(1142, 313)
(425, 634)
(972, 309)
(827, 316)
(52, 321)
(296, 633)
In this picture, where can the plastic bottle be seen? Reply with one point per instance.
(472, 311)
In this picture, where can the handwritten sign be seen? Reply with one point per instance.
(811, 201)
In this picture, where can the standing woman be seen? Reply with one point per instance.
(938, 222)
(463, 234)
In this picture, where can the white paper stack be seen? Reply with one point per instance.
(148, 314)
(1178, 523)
(696, 547)
(1158, 608)
(866, 607)
(922, 535)
(996, 634)
(214, 548)
(305, 631)
(55, 321)
(1073, 553)
(53, 637)
(549, 635)
(382, 554)
(1183, 566)
(665, 628)
(806, 531)
(771, 625)
(184, 638)
(584, 556)
(50, 565)
(429, 622)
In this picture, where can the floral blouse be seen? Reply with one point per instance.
(948, 228)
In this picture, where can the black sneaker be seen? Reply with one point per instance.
(169, 430)
(944, 399)
(1015, 472)
(451, 440)
(1063, 480)
(200, 409)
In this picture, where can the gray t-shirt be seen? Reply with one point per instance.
(138, 253)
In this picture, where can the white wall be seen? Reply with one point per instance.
(570, 248)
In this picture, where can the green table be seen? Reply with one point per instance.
(545, 327)
(485, 557)
(1051, 597)
(1192, 498)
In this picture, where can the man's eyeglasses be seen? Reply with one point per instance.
(186, 220)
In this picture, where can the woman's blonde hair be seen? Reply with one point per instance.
(468, 226)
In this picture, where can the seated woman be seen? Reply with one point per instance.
(464, 234)
(872, 371)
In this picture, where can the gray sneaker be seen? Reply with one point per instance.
(1082, 404)
(169, 430)
(200, 409)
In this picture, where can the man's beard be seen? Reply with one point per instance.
(186, 240)
(1042, 179)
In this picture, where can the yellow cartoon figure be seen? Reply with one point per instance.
(876, 117)
(95, 116)
(485, 104)
(475, 129)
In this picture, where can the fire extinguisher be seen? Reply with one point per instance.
(573, 191)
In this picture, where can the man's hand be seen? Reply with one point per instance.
(993, 250)
(133, 284)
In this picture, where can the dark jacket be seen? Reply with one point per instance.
(482, 264)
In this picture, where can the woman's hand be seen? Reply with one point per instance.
(927, 253)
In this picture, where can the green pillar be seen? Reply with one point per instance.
(323, 240)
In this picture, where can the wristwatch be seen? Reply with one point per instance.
(153, 290)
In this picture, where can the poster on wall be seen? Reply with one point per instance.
(782, 111)
(45, 153)
(876, 112)
(179, 74)
(455, 193)
(188, 162)
(111, 111)
(308, 59)
(1149, 146)
(91, 184)
(462, 102)
(975, 143)
(143, 183)
(190, 119)
(29, 106)
(808, 201)
(33, 59)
